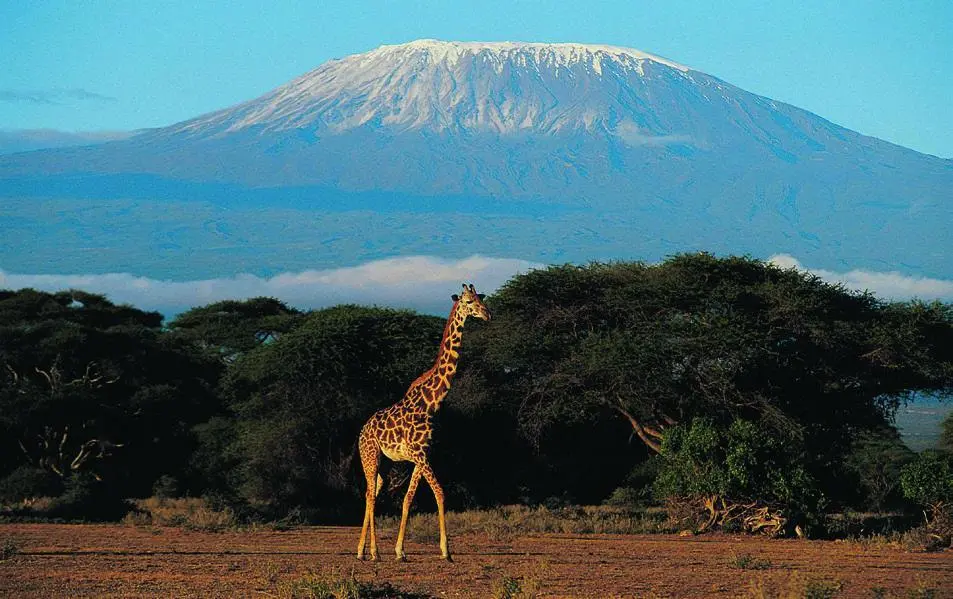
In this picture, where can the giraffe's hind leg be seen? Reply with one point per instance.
(370, 461)
(408, 499)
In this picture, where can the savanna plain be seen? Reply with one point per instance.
(123, 560)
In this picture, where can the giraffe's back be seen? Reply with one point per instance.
(401, 433)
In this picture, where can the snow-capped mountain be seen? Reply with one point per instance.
(504, 88)
(580, 151)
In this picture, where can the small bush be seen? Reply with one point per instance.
(821, 589)
(928, 479)
(28, 482)
(86, 499)
(522, 585)
(191, 513)
(332, 586)
(860, 525)
(723, 468)
(624, 497)
(797, 586)
(922, 538)
(507, 587)
(8, 549)
(165, 487)
(921, 591)
(746, 561)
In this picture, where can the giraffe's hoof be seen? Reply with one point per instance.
(448, 558)
(401, 558)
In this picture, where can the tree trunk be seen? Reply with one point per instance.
(650, 436)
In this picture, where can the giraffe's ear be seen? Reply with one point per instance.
(481, 296)
(455, 297)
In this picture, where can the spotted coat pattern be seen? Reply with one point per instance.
(403, 431)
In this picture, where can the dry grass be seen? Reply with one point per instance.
(8, 549)
(524, 583)
(746, 561)
(797, 586)
(510, 521)
(192, 513)
(893, 540)
(32, 507)
(334, 585)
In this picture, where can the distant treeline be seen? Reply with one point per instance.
(748, 395)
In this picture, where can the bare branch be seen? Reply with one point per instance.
(49, 376)
(13, 373)
(92, 378)
(651, 441)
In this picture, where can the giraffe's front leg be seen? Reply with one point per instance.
(431, 478)
(408, 499)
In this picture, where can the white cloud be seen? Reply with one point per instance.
(633, 135)
(887, 285)
(423, 283)
(420, 282)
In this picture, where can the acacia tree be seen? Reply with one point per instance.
(89, 387)
(299, 402)
(700, 336)
(230, 328)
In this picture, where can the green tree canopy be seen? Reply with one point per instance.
(230, 328)
(89, 386)
(700, 336)
(300, 401)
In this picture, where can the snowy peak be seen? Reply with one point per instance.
(542, 54)
(497, 87)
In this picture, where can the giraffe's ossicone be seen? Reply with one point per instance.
(402, 431)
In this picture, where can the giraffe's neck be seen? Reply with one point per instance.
(432, 386)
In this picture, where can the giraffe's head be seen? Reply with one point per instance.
(470, 303)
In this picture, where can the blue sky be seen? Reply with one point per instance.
(880, 67)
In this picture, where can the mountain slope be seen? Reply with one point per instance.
(676, 155)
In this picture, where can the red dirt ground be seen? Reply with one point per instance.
(52, 560)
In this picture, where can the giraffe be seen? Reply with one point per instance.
(402, 432)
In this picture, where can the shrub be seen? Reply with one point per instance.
(742, 476)
(8, 549)
(165, 487)
(928, 481)
(746, 561)
(514, 587)
(27, 482)
(85, 498)
(191, 513)
(623, 497)
(331, 586)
